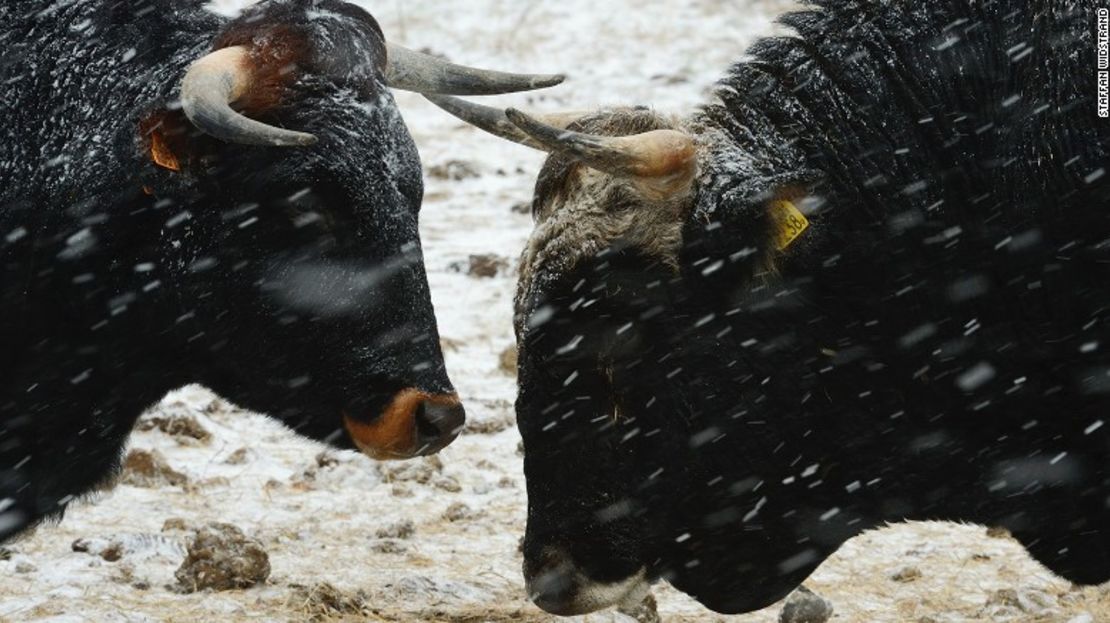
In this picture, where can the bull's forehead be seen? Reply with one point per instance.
(558, 176)
(328, 15)
(580, 212)
(324, 37)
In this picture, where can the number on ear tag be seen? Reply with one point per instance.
(790, 223)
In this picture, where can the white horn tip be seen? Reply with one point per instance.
(543, 82)
(301, 139)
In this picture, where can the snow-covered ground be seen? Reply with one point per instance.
(436, 539)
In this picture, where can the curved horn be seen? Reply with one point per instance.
(423, 73)
(494, 121)
(655, 154)
(210, 86)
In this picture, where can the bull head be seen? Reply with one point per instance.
(219, 79)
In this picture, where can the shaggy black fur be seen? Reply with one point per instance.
(291, 281)
(935, 346)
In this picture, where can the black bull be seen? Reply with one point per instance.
(725, 413)
(138, 254)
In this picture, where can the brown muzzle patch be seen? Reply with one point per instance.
(415, 423)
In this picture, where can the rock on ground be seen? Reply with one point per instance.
(222, 558)
(805, 606)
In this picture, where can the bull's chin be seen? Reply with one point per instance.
(379, 454)
(394, 454)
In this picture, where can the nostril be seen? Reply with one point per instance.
(555, 589)
(553, 585)
(425, 426)
(437, 424)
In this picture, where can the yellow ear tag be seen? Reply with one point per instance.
(790, 223)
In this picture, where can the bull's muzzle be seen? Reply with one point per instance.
(557, 586)
(414, 423)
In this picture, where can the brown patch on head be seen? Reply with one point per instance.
(286, 40)
(275, 55)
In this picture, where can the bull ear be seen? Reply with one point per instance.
(423, 73)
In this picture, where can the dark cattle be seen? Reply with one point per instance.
(138, 252)
(871, 283)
